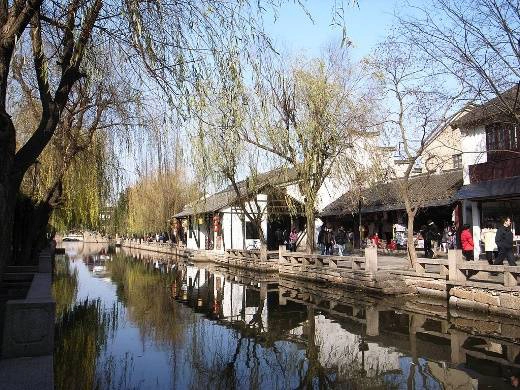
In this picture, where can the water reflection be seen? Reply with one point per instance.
(167, 324)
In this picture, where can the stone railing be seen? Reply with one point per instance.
(441, 266)
(252, 255)
(159, 247)
(469, 285)
(480, 274)
(368, 263)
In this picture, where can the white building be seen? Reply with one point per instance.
(491, 165)
(218, 221)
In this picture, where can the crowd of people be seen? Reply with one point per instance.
(328, 239)
(498, 242)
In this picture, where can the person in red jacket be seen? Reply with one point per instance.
(466, 241)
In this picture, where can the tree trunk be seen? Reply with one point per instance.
(30, 225)
(7, 206)
(311, 227)
(412, 254)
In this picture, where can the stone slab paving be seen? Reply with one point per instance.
(30, 373)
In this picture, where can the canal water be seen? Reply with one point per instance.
(140, 321)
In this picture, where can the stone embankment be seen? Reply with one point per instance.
(463, 285)
(28, 331)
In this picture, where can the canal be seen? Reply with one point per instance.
(141, 321)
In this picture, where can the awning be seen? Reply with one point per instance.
(491, 189)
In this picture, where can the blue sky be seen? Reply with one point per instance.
(367, 24)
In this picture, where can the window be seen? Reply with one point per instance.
(501, 140)
(457, 161)
(251, 231)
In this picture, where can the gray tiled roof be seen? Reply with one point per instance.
(496, 109)
(227, 197)
(427, 189)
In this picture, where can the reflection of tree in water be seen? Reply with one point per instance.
(81, 333)
(64, 285)
(146, 294)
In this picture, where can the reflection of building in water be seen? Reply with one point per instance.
(353, 337)
(342, 349)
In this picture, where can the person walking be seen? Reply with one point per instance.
(293, 238)
(431, 239)
(321, 242)
(341, 240)
(504, 241)
(487, 236)
(466, 240)
(328, 239)
(445, 238)
(278, 235)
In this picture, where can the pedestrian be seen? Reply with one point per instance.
(431, 239)
(321, 242)
(341, 240)
(452, 238)
(293, 238)
(466, 240)
(278, 234)
(504, 241)
(375, 240)
(445, 238)
(487, 236)
(328, 239)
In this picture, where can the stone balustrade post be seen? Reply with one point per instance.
(371, 259)
(282, 250)
(457, 339)
(263, 252)
(282, 301)
(454, 260)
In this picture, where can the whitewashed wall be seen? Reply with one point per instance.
(234, 230)
(473, 149)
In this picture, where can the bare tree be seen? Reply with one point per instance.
(417, 107)
(476, 43)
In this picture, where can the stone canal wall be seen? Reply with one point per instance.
(26, 360)
(474, 286)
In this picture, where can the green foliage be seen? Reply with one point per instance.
(148, 205)
(81, 333)
(64, 286)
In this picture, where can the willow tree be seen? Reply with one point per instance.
(73, 170)
(153, 199)
(310, 115)
(222, 157)
(165, 42)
